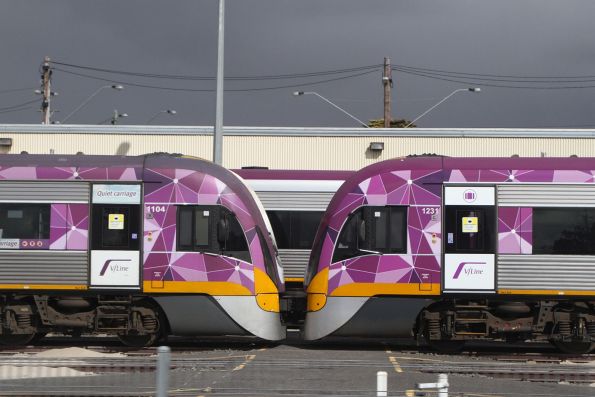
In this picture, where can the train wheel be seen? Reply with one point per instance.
(131, 340)
(574, 347)
(16, 339)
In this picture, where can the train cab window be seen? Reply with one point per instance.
(24, 221)
(232, 241)
(564, 231)
(212, 229)
(373, 230)
(295, 229)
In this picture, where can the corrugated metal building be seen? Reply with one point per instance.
(295, 148)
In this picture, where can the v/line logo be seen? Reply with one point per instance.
(468, 271)
(115, 267)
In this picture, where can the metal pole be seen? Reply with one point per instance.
(163, 361)
(218, 134)
(381, 384)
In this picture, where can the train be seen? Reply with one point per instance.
(443, 250)
(138, 247)
(448, 250)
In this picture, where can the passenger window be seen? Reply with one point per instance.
(24, 221)
(373, 230)
(564, 231)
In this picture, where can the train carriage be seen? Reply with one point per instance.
(454, 249)
(138, 247)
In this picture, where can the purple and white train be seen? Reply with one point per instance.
(457, 249)
(138, 247)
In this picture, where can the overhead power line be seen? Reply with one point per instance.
(482, 83)
(19, 105)
(16, 90)
(212, 78)
(252, 89)
(437, 71)
(16, 110)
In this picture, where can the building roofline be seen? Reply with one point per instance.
(297, 131)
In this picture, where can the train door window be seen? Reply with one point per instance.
(24, 221)
(470, 229)
(118, 227)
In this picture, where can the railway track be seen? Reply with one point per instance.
(529, 370)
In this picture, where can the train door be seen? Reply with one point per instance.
(115, 236)
(470, 233)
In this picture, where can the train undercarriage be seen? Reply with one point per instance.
(136, 321)
(568, 325)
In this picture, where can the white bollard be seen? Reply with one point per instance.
(442, 385)
(163, 361)
(381, 384)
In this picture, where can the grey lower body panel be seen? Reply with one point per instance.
(202, 315)
(390, 317)
(365, 317)
(197, 315)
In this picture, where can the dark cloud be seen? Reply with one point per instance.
(288, 36)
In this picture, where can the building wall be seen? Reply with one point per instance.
(310, 150)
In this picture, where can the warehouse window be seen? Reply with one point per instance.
(373, 230)
(24, 221)
(294, 229)
(212, 229)
(564, 231)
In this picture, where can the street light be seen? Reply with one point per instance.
(116, 116)
(168, 111)
(79, 107)
(300, 93)
(473, 89)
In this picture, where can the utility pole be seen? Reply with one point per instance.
(387, 81)
(46, 78)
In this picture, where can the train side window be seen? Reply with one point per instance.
(564, 231)
(194, 228)
(24, 221)
(212, 229)
(373, 230)
(294, 229)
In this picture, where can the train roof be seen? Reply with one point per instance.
(268, 174)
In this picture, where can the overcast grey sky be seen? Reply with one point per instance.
(279, 37)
